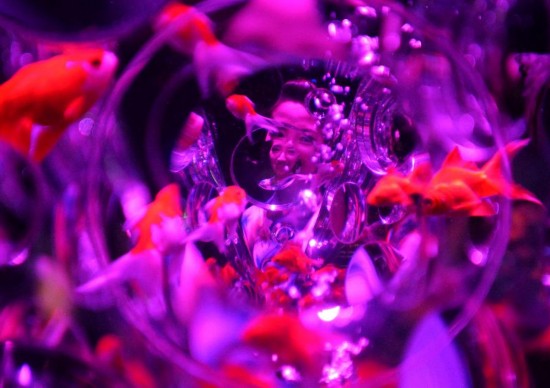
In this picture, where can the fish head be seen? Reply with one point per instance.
(239, 105)
(388, 192)
(99, 65)
(435, 203)
(234, 194)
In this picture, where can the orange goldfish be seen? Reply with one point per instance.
(159, 230)
(166, 205)
(214, 61)
(229, 205)
(458, 187)
(40, 101)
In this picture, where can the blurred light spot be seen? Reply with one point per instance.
(477, 257)
(24, 376)
(546, 279)
(289, 373)
(392, 41)
(380, 70)
(307, 194)
(312, 243)
(329, 315)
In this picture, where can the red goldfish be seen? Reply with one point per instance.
(214, 61)
(190, 132)
(110, 352)
(224, 211)
(243, 108)
(293, 259)
(285, 336)
(42, 99)
(458, 187)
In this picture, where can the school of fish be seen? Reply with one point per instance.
(459, 187)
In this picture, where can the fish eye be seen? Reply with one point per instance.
(96, 62)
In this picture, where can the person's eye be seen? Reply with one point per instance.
(291, 152)
(276, 149)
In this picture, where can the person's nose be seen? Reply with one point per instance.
(282, 156)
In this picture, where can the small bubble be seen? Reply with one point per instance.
(367, 11)
(85, 126)
(415, 43)
(407, 28)
(337, 89)
(319, 102)
(380, 70)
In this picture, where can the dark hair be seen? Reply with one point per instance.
(295, 90)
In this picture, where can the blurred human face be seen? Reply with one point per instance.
(306, 139)
(283, 156)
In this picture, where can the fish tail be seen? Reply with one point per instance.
(115, 273)
(494, 168)
(495, 173)
(519, 193)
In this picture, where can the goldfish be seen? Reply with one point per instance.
(228, 206)
(110, 352)
(285, 336)
(459, 187)
(214, 61)
(243, 108)
(190, 132)
(224, 210)
(159, 230)
(292, 258)
(42, 99)
(287, 29)
(166, 206)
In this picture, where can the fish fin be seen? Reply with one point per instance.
(43, 141)
(116, 273)
(422, 173)
(495, 172)
(493, 167)
(223, 67)
(483, 209)
(20, 136)
(522, 194)
(209, 232)
(75, 109)
(453, 158)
